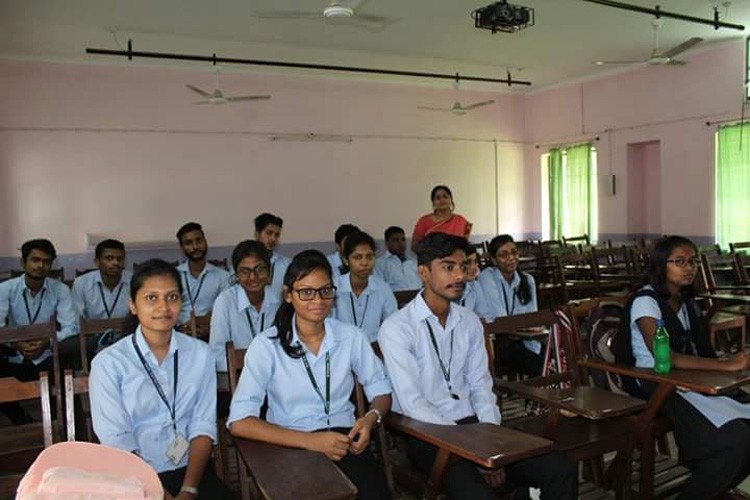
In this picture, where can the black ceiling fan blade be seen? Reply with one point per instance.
(198, 91)
(686, 45)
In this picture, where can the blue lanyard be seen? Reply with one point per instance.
(509, 308)
(252, 328)
(38, 308)
(311, 376)
(446, 371)
(197, 292)
(354, 311)
(156, 383)
(104, 301)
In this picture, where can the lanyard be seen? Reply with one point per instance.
(270, 275)
(509, 308)
(446, 371)
(38, 308)
(311, 376)
(252, 328)
(354, 311)
(157, 385)
(197, 292)
(104, 301)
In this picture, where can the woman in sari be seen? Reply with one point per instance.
(442, 219)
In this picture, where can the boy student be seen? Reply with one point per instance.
(434, 352)
(336, 258)
(394, 267)
(103, 293)
(201, 282)
(268, 232)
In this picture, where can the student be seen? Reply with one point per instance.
(304, 365)
(154, 392)
(473, 295)
(246, 308)
(712, 432)
(35, 298)
(394, 267)
(103, 294)
(201, 282)
(442, 219)
(268, 231)
(362, 300)
(435, 355)
(338, 266)
(508, 292)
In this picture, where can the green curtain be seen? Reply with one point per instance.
(578, 196)
(733, 185)
(555, 177)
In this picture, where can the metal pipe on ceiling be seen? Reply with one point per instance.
(656, 11)
(130, 54)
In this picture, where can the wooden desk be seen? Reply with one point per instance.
(523, 333)
(488, 445)
(222, 382)
(701, 381)
(288, 473)
(726, 297)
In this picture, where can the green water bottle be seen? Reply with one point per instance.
(662, 358)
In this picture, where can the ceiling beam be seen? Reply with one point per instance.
(656, 11)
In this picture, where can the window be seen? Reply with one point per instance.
(569, 192)
(732, 184)
(747, 68)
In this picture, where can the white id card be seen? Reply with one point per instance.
(177, 449)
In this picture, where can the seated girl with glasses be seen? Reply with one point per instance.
(711, 432)
(305, 365)
(246, 308)
(362, 300)
(510, 291)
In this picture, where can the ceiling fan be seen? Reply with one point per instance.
(458, 108)
(657, 57)
(218, 97)
(337, 12)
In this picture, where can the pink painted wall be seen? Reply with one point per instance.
(665, 104)
(644, 188)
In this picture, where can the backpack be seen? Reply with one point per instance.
(598, 332)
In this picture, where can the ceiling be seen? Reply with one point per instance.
(430, 35)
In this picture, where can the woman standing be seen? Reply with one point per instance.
(442, 219)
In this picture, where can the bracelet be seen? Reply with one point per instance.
(376, 412)
(189, 489)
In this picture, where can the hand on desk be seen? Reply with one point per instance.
(331, 444)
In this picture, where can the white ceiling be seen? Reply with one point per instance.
(431, 35)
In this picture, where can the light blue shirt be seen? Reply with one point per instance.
(335, 260)
(92, 299)
(374, 304)
(717, 409)
(400, 275)
(201, 292)
(293, 403)
(235, 319)
(473, 298)
(127, 411)
(18, 308)
(502, 298)
(419, 385)
(279, 265)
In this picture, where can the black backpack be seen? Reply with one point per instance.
(599, 331)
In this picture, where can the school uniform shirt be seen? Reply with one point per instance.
(235, 319)
(94, 300)
(717, 409)
(126, 408)
(473, 298)
(293, 402)
(367, 312)
(18, 307)
(201, 292)
(279, 265)
(398, 274)
(419, 381)
(502, 298)
(336, 264)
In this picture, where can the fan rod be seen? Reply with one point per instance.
(674, 15)
(130, 54)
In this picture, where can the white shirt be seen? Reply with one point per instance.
(94, 300)
(335, 260)
(419, 385)
(473, 298)
(201, 292)
(279, 265)
(367, 312)
(400, 275)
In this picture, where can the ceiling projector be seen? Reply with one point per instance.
(502, 16)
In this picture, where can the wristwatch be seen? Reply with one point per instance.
(376, 412)
(190, 489)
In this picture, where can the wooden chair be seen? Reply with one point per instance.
(741, 247)
(57, 274)
(403, 297)
(77, 386)
(199, 326)
(713, 250)
(740, 265)
(221, 263)
(20, 444)
(93, 328)
(81, 272)
(577, 240)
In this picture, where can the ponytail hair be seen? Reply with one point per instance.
(302, 264)
(524, 288)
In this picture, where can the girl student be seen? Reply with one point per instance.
(305, 366)
(473, 296)
(154, 392)
(442, 219)
(712, 433)
(510, 291)
(246, 308)
(362, 300)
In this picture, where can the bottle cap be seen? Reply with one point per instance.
(659, 322)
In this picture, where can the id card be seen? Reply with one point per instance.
(177, 449)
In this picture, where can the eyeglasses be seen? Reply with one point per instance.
(260, 270)
(507, 255)
(680, 262)
(326, 293)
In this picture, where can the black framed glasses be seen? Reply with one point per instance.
(326, 292)
(260, 271)
(680, 262)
